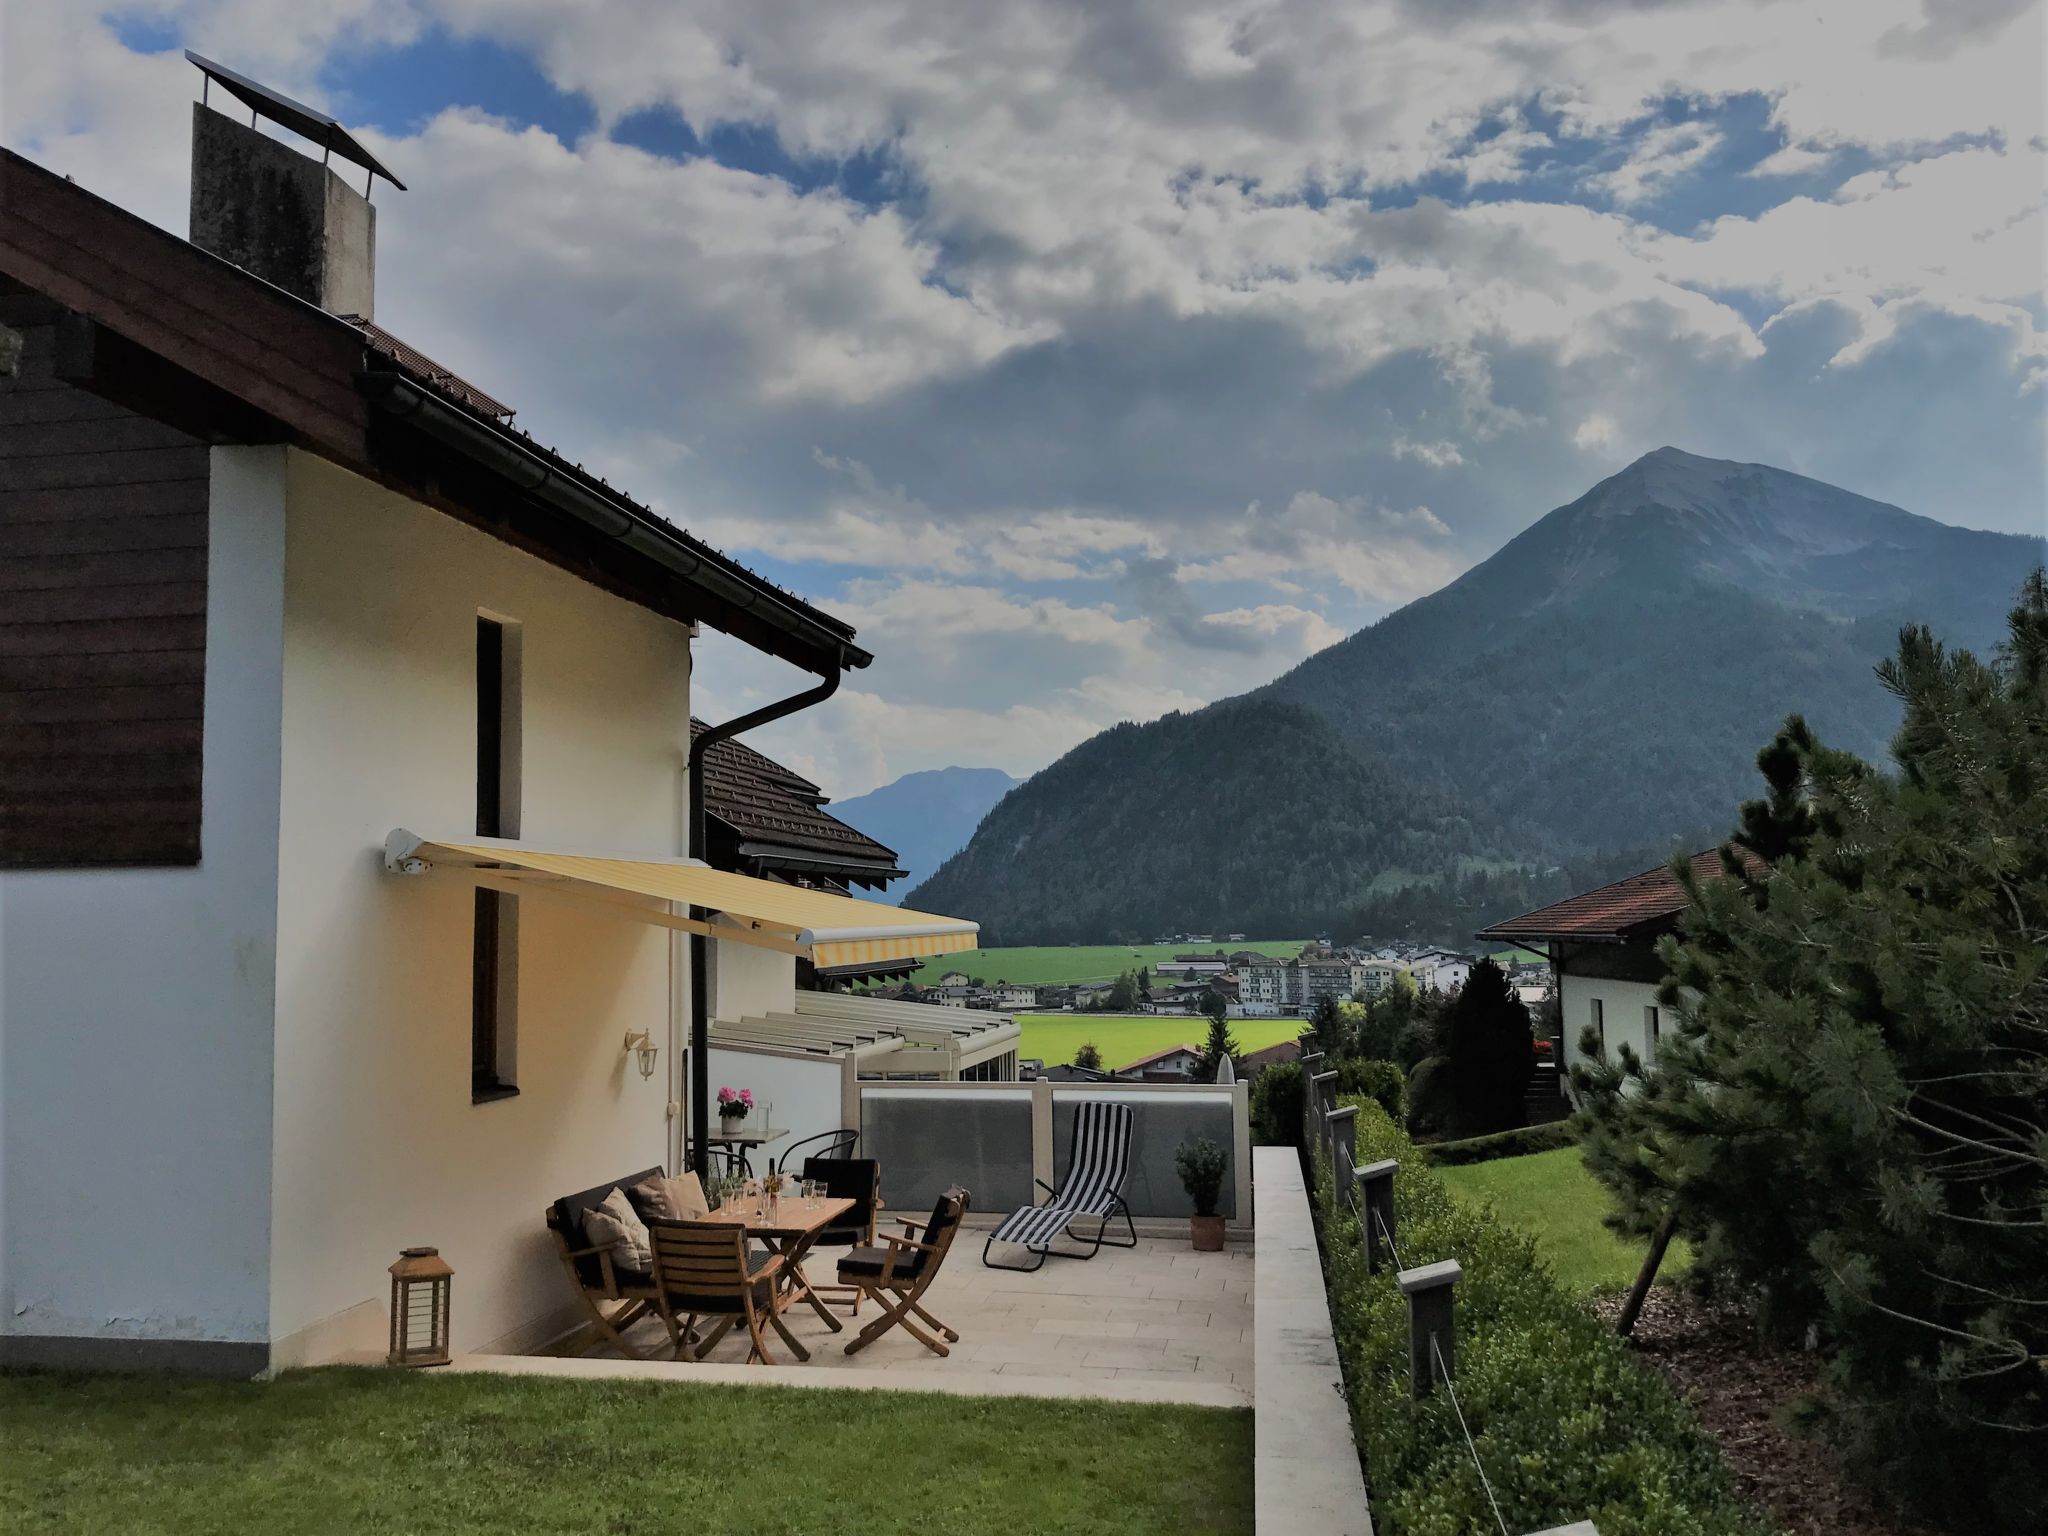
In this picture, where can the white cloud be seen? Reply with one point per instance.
(1440, 454)
(1137, 268)
(1656, 160)
(1596, 431)
(1792, 160)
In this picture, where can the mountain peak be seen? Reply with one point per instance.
(1602, 682)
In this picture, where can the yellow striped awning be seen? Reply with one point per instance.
(822, 927)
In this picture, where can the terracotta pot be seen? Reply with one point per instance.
(1208, 1232)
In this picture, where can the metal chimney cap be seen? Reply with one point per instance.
(295, 115)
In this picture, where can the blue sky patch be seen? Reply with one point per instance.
(400, 89)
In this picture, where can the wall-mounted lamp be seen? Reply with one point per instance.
(641, 1043)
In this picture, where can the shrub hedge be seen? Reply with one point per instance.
(1515, 1143)
(1567, 1425)
(1276, 1107)
(1381, 1081)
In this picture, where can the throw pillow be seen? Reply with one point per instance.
(678, 1199)
(614, 1224)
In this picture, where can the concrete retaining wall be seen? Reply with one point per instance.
(1308, 1481)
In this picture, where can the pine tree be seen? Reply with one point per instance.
(1489, 1052)
(1850, 1117)
(1219, 1045)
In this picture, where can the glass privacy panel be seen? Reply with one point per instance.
(929, 1139)
(1162, 1121)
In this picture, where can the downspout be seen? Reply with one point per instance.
(700, 947)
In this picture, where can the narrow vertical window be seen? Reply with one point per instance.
(494, 970)
(1651, 1029)
(1600, 1023)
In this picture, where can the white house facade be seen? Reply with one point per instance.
(242, 1062)
(1602, 950)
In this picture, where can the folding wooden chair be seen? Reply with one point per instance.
(897, 1273)
(703, 1269)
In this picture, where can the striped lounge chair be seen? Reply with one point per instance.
(1094, 1189)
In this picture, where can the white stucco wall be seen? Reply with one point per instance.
(793, 1095)
(378, 1144)
(748, 982)
(1625, 1002)
(135, 1011)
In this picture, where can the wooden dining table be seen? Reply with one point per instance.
(788, 1227)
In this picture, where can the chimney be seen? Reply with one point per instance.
(284, 216)
(276, 212)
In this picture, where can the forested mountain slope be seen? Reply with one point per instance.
(1600, 683)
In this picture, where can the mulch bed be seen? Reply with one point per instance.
(1742, 1389)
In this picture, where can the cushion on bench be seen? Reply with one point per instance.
(868, 1263)
(566, 1217)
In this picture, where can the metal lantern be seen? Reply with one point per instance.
(419, 1307)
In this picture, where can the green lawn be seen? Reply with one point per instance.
(353, 1452)
(1054, 1037)
(1551, 1196)
(1065, 964)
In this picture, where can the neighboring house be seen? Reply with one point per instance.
(954, 979)
(1011, 995)
(765, 820)
(1176, 1063)
(1602, 949)
(281, 589)
(1252, 1063)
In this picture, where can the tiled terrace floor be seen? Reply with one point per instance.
(1160, 1315)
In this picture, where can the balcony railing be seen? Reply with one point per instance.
(995, 1139)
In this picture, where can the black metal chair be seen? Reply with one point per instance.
(858, 1179)
(825, 1144)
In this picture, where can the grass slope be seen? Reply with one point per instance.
(363, 1451)
(1066, 964)
(1550, 1196)
(1054, 1037)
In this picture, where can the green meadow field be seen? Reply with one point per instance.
(1054, 1037)
(1065, 964)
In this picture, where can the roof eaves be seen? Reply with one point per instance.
(822, 643)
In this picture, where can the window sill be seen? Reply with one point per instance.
(493, 1093)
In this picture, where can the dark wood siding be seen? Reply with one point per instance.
(102, 621)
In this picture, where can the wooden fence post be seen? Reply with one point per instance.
(1430, 1319)
(1376, 1212)
(1343, 1152)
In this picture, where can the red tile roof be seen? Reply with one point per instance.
(1637, 907)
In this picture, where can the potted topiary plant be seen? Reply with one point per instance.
(1201, 1163)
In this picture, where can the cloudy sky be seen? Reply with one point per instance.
(1098, 359)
